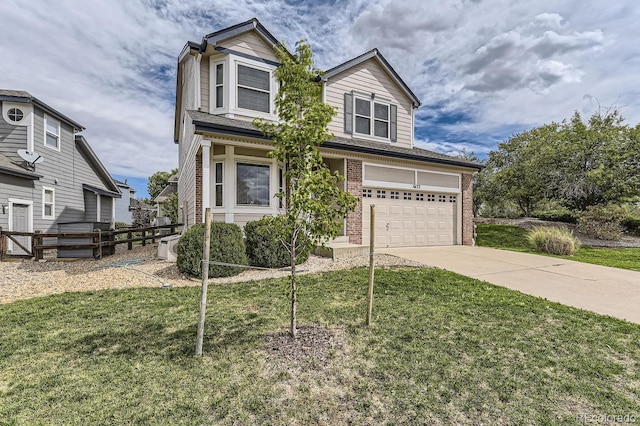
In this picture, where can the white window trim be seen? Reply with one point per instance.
(53, 204)
(252, 161)
(216, 184)
(225, 86)
(29, 204)
(372, 101)
(261, 67)
(414, 186)
(47, 132)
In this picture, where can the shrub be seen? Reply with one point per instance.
(602, 222)
(553, 240)
(556, 215)
(263, 249)
(632, 225)
(226, 246)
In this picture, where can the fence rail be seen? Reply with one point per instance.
(100, 239)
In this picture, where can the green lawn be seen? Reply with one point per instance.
(515, 238)
(443, 349)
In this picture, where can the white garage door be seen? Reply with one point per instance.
(410, 219)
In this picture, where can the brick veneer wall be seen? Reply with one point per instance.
(467, 209)
(354, 187)
(198, 205)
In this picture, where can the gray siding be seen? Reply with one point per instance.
(90, 206)
(12, 138)
(106, 207)
(64, 171)
(13, 187)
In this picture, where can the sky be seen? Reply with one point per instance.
(483, 69)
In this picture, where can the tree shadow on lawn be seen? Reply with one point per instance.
(160, 339)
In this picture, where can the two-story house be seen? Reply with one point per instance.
(126, 203)
(226, 80)
(48, 172)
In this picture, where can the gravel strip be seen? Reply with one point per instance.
(138, 268)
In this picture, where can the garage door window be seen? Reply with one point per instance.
(452, 198)
(366, 193)
(419, 197)
(395, 195)
(442, 198)
(407, 196)
(381, 193)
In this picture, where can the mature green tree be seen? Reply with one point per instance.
(597, 161)
(575, 163)
(314, 204)
(520, 167)
(158, 181)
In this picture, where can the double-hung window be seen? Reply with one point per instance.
(372, 118)
(219, 85)
(48, 203)
(254, 89)
(218, 184)
(52, 133)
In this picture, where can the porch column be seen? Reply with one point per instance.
(206, 175)
(97, 207)
(229, 180)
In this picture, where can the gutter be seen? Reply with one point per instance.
(257, 134)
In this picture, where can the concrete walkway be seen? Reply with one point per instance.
(600, 289)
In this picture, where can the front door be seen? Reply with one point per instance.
(20, 223)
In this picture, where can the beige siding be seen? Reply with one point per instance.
(251, 43)
(187, 191)
(368, 77)
(241, 219)
(218, 217)
(204, 84)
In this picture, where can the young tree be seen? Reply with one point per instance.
(314, 204)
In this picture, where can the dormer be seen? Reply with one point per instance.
(372, 101)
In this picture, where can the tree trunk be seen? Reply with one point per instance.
(294, 296)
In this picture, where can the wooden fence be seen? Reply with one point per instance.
(100, 239)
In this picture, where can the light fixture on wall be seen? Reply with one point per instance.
(4, 209)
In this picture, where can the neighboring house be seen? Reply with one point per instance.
(67, 184)
(171, 188)
(226, 80)
(125, 203)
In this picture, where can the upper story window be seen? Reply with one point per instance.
(219, 83)
(370, 116)
(254, 89)
(52, 133)
(15, 115)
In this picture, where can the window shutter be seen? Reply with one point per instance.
(348, 113)
(394, 123)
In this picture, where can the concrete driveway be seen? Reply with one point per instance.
(600, 289)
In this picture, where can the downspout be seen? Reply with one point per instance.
(198, 87)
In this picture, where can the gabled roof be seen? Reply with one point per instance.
(7, 167)
(172, 188)
(110, 185)
(22, 96)
(373, 54)
(228, 126)
(227, 33)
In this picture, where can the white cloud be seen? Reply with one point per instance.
(501, 64)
